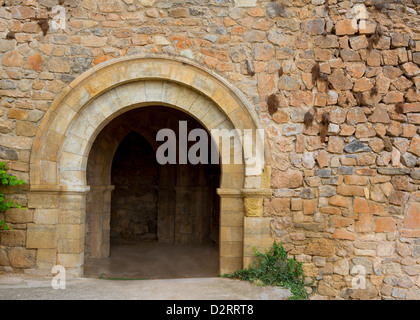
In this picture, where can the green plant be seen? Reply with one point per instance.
(275, 269)
(5, 204)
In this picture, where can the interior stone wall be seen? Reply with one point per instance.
(134, 203)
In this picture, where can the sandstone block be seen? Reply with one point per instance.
(288, 179)
(59, 65)
(346, 27)
(320, 247)
(277, 206)
(385, 224)
(412, 217)
(21, 257)
(40, 236)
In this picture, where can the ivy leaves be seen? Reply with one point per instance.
(274, 268)
(5, 204)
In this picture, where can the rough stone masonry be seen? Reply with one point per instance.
(343, 133)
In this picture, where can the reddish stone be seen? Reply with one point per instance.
(364, 224)
(12, 59)
(360, 205)
(385, 224)
(34, 62)
(376, 208)
(265, 83)
(340, 222)
(297, 236)
(339, 201)
(380, 115)
(412, 217)
(356, 180)
(281, 117)
(402, 183)
(394, 129)
(364, 130)
(373, 58)
(178, 40)
(331, 210)
(413, 95)
(412, 107)
(263, 51)
(322, 159)
(363, 84)
(339, 81)
(409, 130)
(356, 70)
(256, 12)
(23, 12)
(335, 144)
(238, 30)
(346, 190)
(343, 234)
(300, 143)
(320, 247)
(17, 114)
(309, 206)
(300, 98)
(277, 206)
(393, 97)
(410, 69)
(415, 146)
(346, 27)
(101, 59)
(356, 115)
(390, 57)
(287, 179)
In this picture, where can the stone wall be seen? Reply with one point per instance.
(343, 122)
(135, 177)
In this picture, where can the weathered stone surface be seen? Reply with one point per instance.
(369, 292)
(8, 154)
(320, 247)
(314, 27)
(289, 83)
(288, 179)
(410, 69)
(346, 27)
(278, 206)
(412, 218)
(60, 65)
(339, 81)
(21, 257)
(108, 6)
(415, 146)
(356, 146)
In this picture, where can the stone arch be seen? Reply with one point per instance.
(62, 144)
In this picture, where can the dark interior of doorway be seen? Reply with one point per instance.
(164, 218)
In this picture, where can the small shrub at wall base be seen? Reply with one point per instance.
(5, 204)
(275, 269)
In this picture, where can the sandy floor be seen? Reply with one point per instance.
(153, 260)
(176, 273)
(25, 287)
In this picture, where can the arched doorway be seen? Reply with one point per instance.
(163, 220)
(61, 148)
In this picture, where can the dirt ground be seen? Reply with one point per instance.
(169, 272)
(153, 260)
(24, 287)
